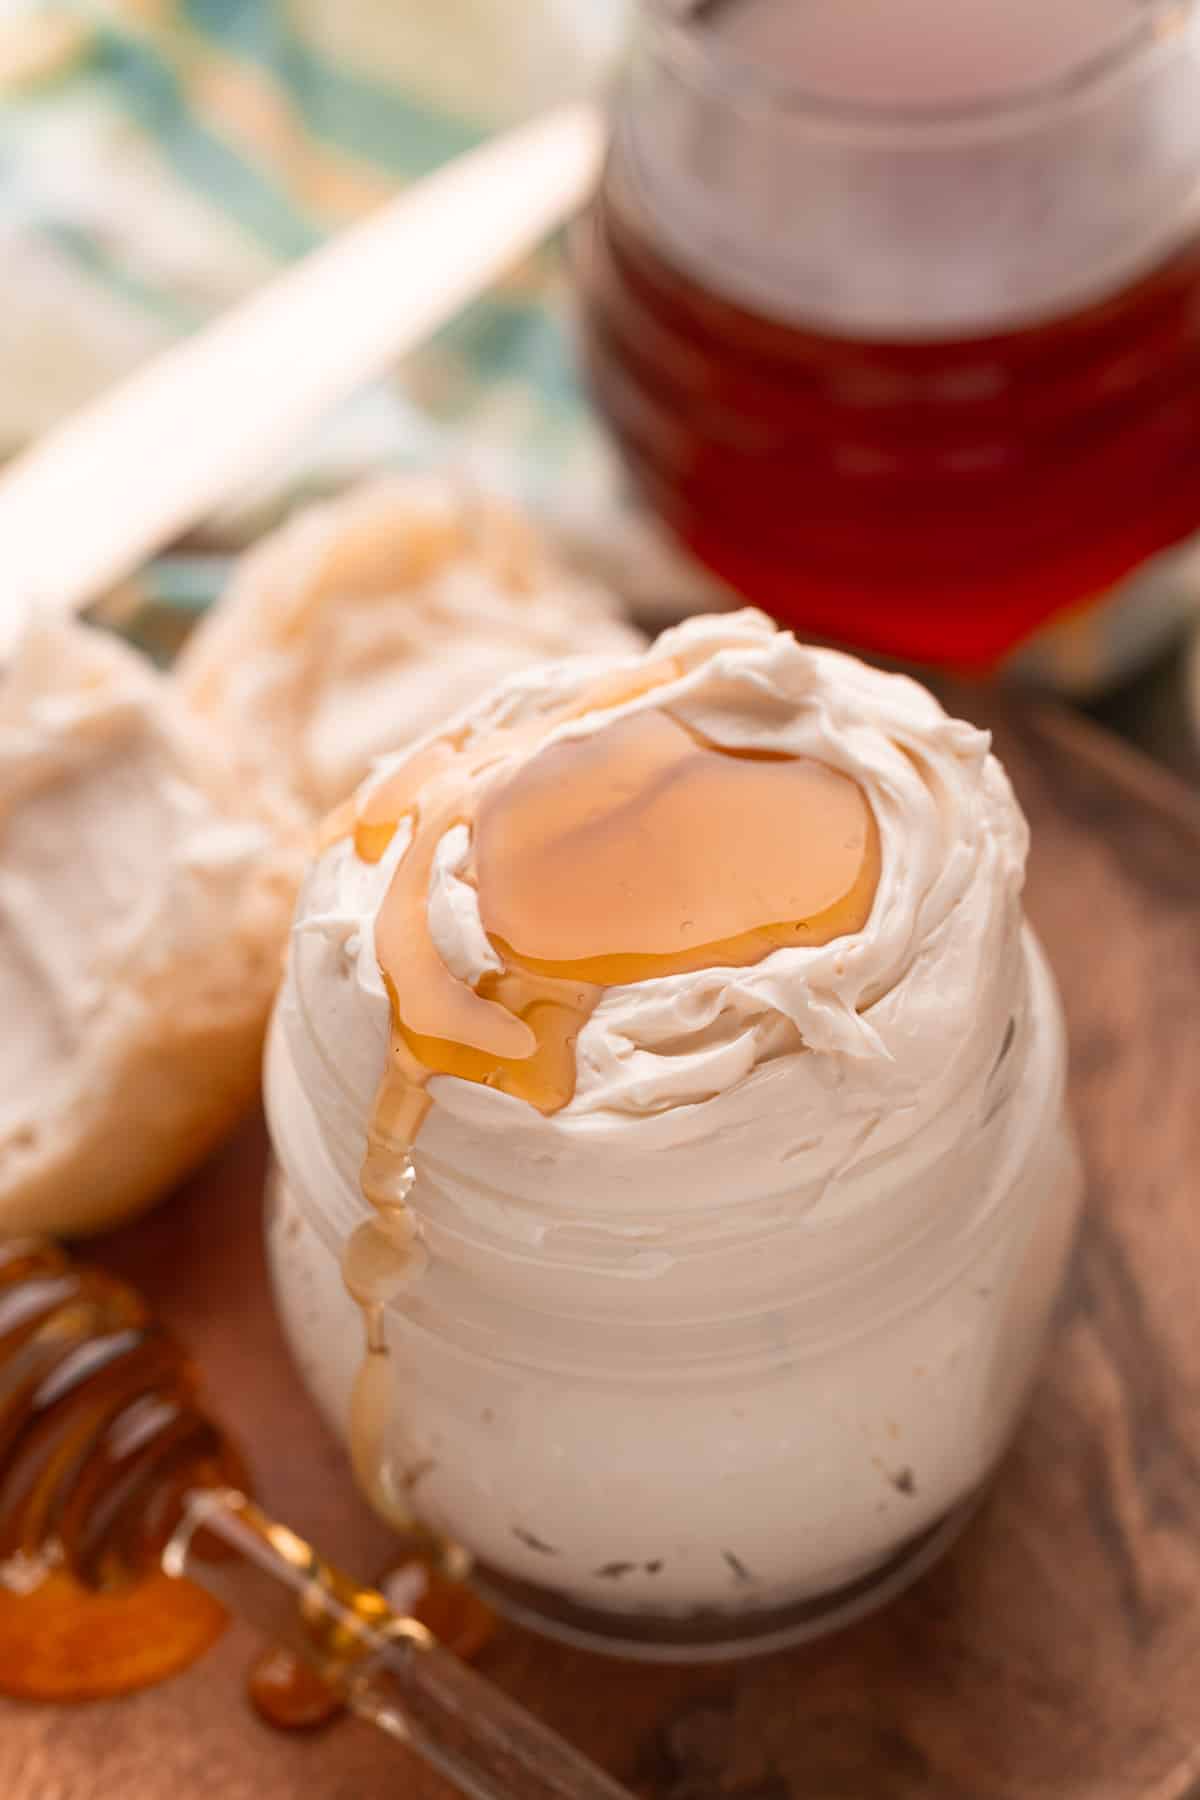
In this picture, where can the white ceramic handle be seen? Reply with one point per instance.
(158, 453)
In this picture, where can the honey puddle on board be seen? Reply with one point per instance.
(633, 850)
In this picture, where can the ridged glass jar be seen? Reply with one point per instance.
(711, 1429)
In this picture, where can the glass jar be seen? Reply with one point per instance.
(710, 1430)
(893, 314)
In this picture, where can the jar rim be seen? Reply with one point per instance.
(678, 32)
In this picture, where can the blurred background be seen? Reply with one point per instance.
(160, 159)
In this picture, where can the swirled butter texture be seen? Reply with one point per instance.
(869, 1041)
(741, 1297)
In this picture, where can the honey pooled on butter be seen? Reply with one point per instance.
(634, 851)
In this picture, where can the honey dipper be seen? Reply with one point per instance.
(120, 1497)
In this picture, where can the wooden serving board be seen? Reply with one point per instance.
(1054, 1656)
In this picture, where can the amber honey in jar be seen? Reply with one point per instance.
(895, 310)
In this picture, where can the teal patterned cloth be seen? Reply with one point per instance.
(161, 158)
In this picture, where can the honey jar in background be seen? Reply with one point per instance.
(895, 314)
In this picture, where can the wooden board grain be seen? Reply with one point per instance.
(1054, 1656)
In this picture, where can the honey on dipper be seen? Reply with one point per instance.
(100, 1436)
(102, 1441)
